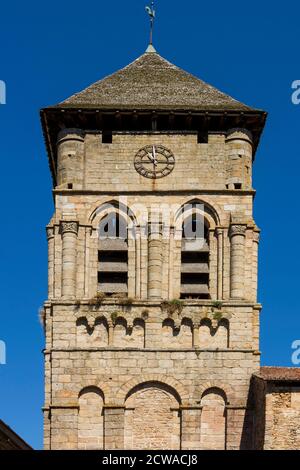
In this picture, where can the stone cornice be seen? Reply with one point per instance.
(150, 350)
(192, 192)
(154, 303)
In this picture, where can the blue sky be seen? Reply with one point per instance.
(51, 50)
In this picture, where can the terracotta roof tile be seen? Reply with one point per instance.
(280, 373)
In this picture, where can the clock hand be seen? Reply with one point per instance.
(154, 154)
(152, 158)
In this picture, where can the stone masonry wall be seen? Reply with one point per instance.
(89, 164)
(282, 417)
(115, 369)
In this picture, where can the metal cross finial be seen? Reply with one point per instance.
(151, 13)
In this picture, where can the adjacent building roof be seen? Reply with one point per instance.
(280, 373)
(9, 440)
(152, 82)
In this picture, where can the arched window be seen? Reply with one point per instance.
(195, 258)
(113, 255)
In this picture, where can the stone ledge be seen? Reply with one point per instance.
(167, 350)
(195, 191)
(155, 303)
(59, 407)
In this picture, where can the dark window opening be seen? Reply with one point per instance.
(202, 137)
(194, 278)
(107, 137)
(237, 185)
(70, 185)
(113, 226)
(112, 278)
(195, 259)
(113, 256)
(194, 296)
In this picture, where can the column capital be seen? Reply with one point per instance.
(237, 229)
(67, 226)
(49, 232)
(219, 231)
(155, 228)
(256, 236)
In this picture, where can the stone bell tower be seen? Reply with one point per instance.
(152, 332)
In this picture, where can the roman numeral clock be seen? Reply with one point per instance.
(154, 161)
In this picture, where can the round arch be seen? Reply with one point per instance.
(112, 206)
(197, 206)
(177, 387)
(224, 388)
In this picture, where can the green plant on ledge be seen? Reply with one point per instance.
(114, 316)
(126, 301)
(145, 313)
(217, 315)
(98, 299)
(217, 304)
(172, 306)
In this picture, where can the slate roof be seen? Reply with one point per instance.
(152, 82)
(9, 440)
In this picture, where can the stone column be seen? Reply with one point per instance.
(256, 235)
(171, 262)
(110, 333)
(70, 158)
(50, 238)
(114, 427)
(219, 234)
(138, 262)
(131, 265)
(69, 231)
(190, 428)
(239, 152)
(196, 334)
(154, 260)
(237, 235)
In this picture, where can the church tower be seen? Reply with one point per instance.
(152, 320)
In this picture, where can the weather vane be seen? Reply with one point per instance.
(151, 13)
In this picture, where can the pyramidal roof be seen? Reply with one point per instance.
(152, 82)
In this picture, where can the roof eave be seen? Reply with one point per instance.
(201, 112)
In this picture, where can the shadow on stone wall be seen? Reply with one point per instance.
(254, 422)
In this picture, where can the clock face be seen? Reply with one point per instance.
(154, 161)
